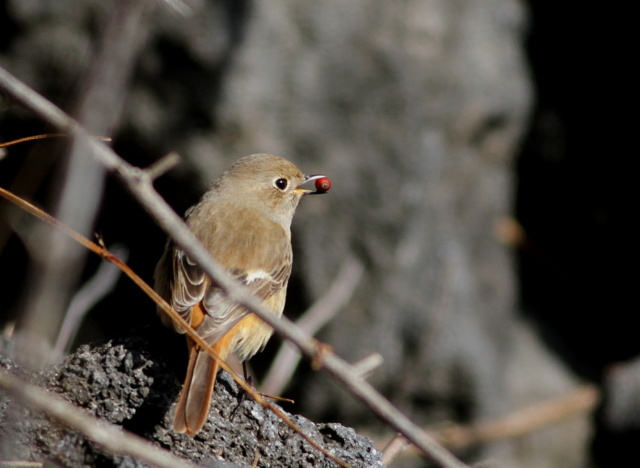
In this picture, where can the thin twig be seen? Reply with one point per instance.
(20, 463)
(109, 436)
(139, 184)
(178, 7)
(395, 447)
(163, 165)
(365, 366)
(97, 287)
(42, 136)
(581, 400)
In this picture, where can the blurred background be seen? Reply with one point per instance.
(478, 222)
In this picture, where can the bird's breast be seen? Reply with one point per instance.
(251, 334)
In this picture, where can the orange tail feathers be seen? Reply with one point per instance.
(195, 399)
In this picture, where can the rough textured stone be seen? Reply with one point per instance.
(125, 383)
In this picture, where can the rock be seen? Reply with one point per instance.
(126, 383)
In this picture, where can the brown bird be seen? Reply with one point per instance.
(244, 220)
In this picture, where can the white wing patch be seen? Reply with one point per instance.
(256, 275)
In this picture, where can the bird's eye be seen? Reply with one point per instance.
(281, 184)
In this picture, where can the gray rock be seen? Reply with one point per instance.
(123, 382)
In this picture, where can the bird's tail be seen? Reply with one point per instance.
(195, 398)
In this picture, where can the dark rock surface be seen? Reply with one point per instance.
(126, 383)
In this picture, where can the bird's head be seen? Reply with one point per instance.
(270, 183)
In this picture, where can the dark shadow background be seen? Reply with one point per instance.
(576, 199)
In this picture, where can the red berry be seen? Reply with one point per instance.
(323, 184)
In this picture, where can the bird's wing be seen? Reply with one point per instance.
(189, 284)
(223, 314)
(180, 282)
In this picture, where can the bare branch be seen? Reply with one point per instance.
(516, 424)
(523, 421)
(179, 7)
(109, 436)
(163, 165)
(139, 184)
(97, 287)
(395, 447)
(21, 463)
(364, 367)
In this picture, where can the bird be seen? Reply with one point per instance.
(244, 221)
